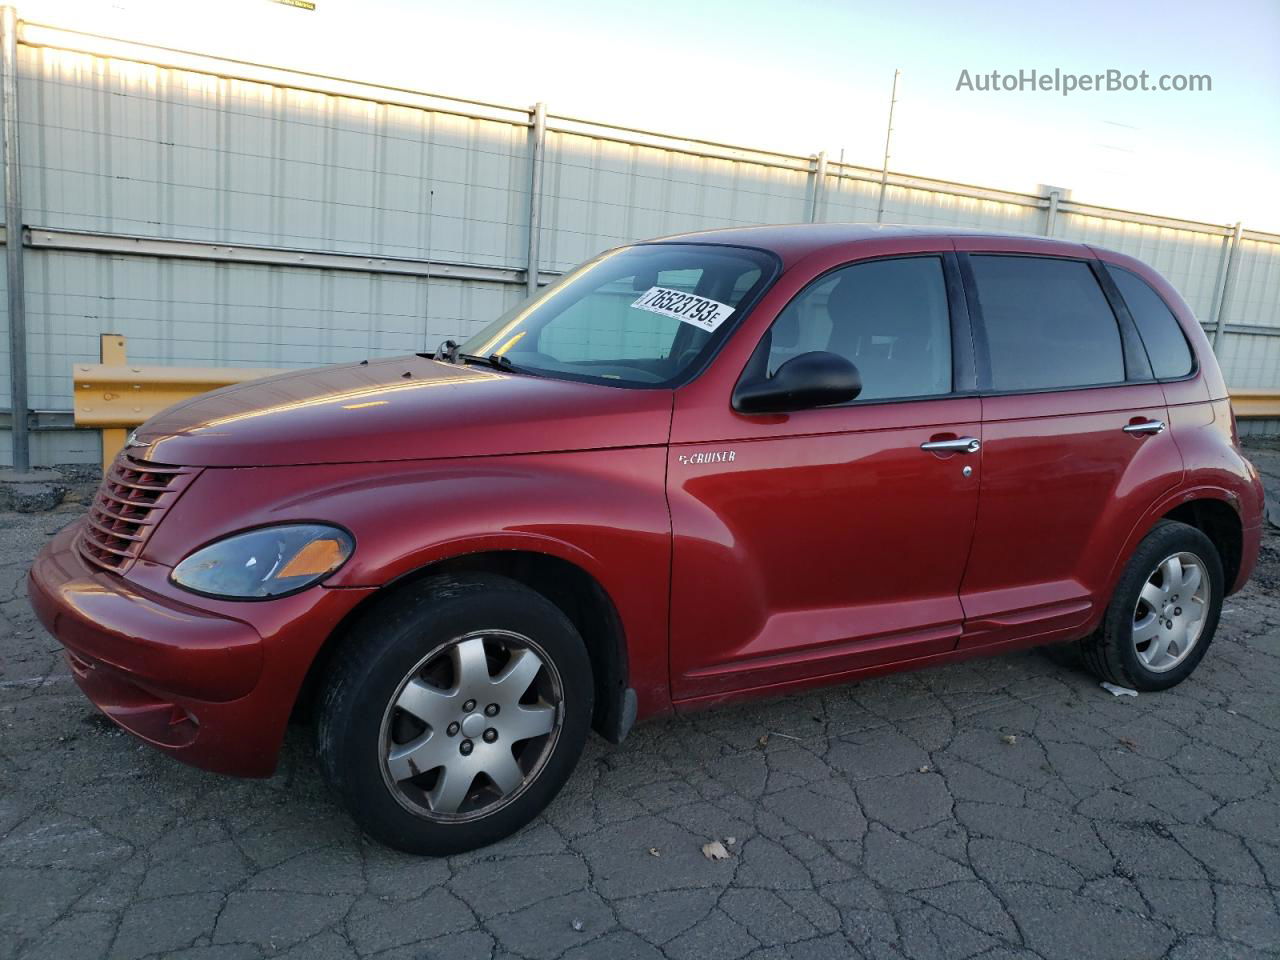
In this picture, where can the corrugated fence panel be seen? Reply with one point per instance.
(6, 383)
(50, 447)
(1248, 359)
(130, 148)
(929, 208)
(1190, 260)
(197, 313)
(599, 193)
(847, 199)
(124, 148)
(1255, 297)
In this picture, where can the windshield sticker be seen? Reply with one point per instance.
(703, 312)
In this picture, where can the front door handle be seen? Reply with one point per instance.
(958, 445)
(1147, 426)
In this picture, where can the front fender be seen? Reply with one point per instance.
(604, 511)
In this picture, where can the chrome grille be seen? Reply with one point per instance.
(131, 501)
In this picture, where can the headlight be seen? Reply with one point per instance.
(266, 562)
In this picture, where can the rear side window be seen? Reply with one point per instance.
(1161, 335)
(889, 317)
(1048, 324)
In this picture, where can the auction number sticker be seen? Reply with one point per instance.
(703, 312)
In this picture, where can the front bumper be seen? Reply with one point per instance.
(211, 683)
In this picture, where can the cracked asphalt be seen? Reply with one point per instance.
(1004, 808)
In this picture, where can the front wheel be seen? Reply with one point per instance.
(454, 712)
(1164, 612)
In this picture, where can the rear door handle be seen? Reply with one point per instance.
(958, 445)
(1147, 426)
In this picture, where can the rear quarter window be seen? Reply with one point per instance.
(1048, 324)
(1161, 333)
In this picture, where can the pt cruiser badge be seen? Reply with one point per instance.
(718, 456)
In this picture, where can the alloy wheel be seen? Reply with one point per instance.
(470, 726)
(1170, 613)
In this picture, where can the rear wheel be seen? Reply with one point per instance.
(1164, 612)
(454, 713)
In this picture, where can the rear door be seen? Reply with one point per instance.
(1074, 440)
(824, 541)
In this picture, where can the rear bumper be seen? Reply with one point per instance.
(1250, 547)
(1253, 515)
(212, 685)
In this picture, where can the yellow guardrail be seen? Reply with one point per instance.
(115, 396)
(1256, 403)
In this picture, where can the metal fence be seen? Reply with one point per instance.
(220, 212)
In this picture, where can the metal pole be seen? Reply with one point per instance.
(426, 283)
(1051, 215)
(888, 137)
(13, 243)
(539, 134)
(819, 184)
(1228, 280)
(1223, 251)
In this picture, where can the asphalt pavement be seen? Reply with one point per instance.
(1003, 808)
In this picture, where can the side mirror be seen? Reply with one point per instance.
(814, 379)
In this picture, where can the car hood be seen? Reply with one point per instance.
(399, 408)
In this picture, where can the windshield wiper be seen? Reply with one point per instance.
(495, 360)
(448, 350)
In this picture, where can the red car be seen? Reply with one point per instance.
(710, 467)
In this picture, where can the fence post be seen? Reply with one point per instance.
(112, 353)
(1224, 249)
(1051, 214)
(538, 138)
(819, 184)
(1227, 279)
(13, 241)
(1056, 197)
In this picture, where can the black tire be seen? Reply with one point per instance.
(375, 660)
(1110, 652)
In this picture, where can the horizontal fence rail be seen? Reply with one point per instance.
(42, 239)
(228, 214)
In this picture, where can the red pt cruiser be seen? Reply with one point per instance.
(716, 466)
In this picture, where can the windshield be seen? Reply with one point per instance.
(640, 316)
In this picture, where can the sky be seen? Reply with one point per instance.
(807, 75)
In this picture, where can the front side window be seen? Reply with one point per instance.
(1048, 324)
(888, 317)
(1161, 335)
(637, 316)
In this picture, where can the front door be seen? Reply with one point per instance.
(813, 544)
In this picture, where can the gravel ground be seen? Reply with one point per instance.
(1001, 808)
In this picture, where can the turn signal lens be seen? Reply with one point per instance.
(315, 559)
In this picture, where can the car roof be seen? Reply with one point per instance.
(791, 241)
